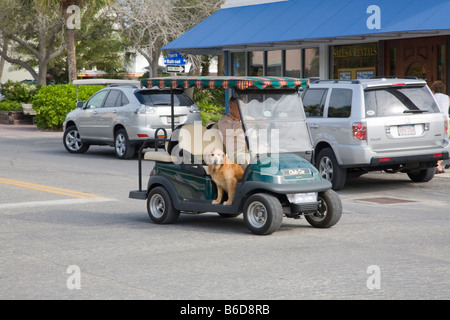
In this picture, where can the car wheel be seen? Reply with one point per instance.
(424, 175)
(263, 214)
(330, 170)
(72, 141)
(122, 145)
(160, 208)
(329, 211)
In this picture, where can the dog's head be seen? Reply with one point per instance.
(217, 156)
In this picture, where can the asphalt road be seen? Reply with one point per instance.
(69, 231)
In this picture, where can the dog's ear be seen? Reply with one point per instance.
(226, 160)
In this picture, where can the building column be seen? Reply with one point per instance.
(324, 61)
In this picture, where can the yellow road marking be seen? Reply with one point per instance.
(74, 194)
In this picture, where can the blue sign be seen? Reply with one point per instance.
(175, 62)
(175, 55)
(175, 59)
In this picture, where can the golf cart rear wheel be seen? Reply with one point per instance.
(329, 212)
(160, 208)
(263, 213)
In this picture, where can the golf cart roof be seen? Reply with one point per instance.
(109, 82)
(241, 83)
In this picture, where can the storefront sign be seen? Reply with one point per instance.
(340, 52)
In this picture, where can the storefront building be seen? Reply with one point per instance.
(327, 39)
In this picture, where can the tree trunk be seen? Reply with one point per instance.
(42, 80)
(71, 55)
(155, 61)
(2, 60)
(71, 49)
(221, 65)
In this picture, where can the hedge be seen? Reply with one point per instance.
(53, 103)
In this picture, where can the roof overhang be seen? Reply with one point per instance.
(304, 23)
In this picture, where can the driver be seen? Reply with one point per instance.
(233, 136)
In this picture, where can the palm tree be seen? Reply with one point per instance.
(69, 8)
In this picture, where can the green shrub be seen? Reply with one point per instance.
(10, 105)
(53, 103)
(18, 91)
(211, 103)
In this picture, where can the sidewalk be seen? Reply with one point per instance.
(26, 130)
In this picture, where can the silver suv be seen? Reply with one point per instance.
(123, 116)
(359, 126)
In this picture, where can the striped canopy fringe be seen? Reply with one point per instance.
(241, 83)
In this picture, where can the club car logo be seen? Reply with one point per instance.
(296, 172)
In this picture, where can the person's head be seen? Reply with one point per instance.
(234, 108)
(438, 87)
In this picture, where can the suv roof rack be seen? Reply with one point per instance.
(337, 81)
(395, 77)
(106, 82)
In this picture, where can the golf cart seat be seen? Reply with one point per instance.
(190, 139)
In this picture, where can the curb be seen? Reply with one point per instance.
(25, 130)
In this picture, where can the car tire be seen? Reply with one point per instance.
(329, 169)
(160, 207)
(122, 146)
(72, 141)
(424, 175)
(329, 211)
(263, 214)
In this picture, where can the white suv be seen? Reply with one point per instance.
(359, 126)
(124, 117)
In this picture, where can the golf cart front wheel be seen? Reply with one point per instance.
(329, 210)
(263, 214)
(160, 208)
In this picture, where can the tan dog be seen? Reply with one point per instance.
(225, 173)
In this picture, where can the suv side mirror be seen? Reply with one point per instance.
(80, 104)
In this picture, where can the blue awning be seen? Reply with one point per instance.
(305, 21)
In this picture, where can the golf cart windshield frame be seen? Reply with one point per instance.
(273, 121)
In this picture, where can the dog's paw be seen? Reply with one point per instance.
(215, 202)
(228, 203)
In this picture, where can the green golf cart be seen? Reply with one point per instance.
(279, 179)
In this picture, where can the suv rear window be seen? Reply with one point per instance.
(393, 101)
(162, 98)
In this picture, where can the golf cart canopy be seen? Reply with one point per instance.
(271, 109)
(241, 83)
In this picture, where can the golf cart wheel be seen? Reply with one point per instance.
(329, 212)
(263, 214)
(72, 141)
(160, 208)
(122, 146)
(330, 170)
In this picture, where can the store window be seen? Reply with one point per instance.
(311, 60)
(355, 61)
(256, 63)
(293, 63)
(274, 63)
(239, 66)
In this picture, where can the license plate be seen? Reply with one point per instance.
(408, 130)
(176, 120)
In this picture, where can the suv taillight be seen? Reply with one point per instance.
(446, 126)
(359, 131)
